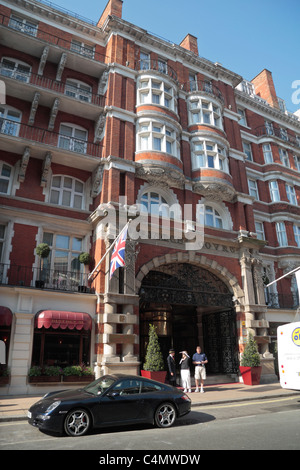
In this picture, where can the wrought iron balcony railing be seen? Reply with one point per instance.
(158, 66)
(52, 85)
(54, 139)
(51, 279)
(203, 86)
(282, 134)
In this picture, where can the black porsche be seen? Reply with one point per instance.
(112, 400)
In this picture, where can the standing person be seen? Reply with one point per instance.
(185, 371)
(172, 367)
(199, 359)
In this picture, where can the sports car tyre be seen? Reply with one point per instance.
(165, 415)
(77, 422)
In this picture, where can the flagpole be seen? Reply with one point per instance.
(109, 249)
(287, 274)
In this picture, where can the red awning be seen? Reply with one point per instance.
(5, 316)
(58, 319)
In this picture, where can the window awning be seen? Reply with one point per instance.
(5, 316)
(64, 320)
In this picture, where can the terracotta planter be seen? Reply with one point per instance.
(78, 378)
(159, 376)
(251, 375)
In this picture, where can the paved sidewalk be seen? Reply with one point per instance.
(15, 407)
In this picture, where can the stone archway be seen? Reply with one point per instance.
(191, 303)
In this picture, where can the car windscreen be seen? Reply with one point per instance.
(99, 386)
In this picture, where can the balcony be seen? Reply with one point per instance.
(47, 279)
(203, 86)
(156, 65)
(279, 301)
(54, 86)
(281, 134)
(51, 139)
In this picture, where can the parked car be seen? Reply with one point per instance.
(112, 400)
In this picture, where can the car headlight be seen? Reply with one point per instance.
(52, 407)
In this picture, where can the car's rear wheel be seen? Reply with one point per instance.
(165, 415)
(77, 422)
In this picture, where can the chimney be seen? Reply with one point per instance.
(190, 43)
(264, 87)
(113, 7)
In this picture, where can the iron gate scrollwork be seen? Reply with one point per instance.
(220, 342)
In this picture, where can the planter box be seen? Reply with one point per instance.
(44, 379)
(78, 378)
(4, 380)
(159, 376)
(251, 375)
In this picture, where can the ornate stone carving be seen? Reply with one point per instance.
(34, 106)
(43, 60)
(215, 191)
(61, 66)
(53, 114)
(160, 176)
(97, 181)
(24, 164)
(99, 126)
(46, 168)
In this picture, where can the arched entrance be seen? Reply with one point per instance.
(189, 305)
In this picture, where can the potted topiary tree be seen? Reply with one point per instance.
(42, 250)
(250, 367)
(154, 362)
(85, 259)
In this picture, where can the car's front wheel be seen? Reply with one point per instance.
(77, 422)
(165, 415)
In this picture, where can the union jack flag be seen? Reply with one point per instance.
(118, 255)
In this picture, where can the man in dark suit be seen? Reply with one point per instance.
(171, 367)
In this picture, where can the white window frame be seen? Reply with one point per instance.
(281, 234)
(15, 71)
(291, 194)
(79, 90)
(260, 231)
(23, 24)
(67, 187)
(82, 48)
(71, 141)
(296, 229)
(253, 189)
(297, 162)
(248, 150)
(204, 111)
(6, 179)
(208, 154)
(284, 157)
(267, 152)
(157, 136)
(9, 125)
(274, 191)
(242, 119)
(152, 90)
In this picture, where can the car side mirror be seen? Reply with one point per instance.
(112, 394)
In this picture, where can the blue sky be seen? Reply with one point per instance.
(245, 37)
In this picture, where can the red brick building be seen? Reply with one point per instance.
(102, 118)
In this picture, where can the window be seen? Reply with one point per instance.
(9, 121)
(212, 217)
(207, 154)
(144, 61)
(269, 128)
(155, 204)
(297, 234)
(283, 134)
(78, 90)
(154, 91)
(247, 150)
(291, 194)
(62, 267)
(15, 69)
(284, 157)
(82, 48)
(267, 151)
(67, 191)
(242, 120)
(297, 162)
(73, 138)
(5, 178)
(202, 111)
(154, 135)
(23, 25)
(2, 236)
(281, 234)
(253, 190)
(259, 228)
(274, 191)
